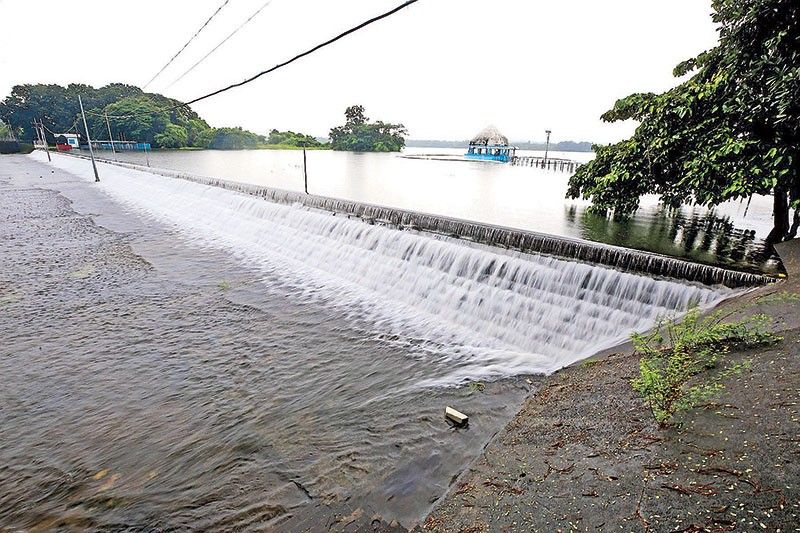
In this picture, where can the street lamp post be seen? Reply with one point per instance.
(547, 145)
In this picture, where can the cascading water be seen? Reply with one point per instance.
(496, 313)
(497, 236)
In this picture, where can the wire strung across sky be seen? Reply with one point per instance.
(279, 65)
(223, 41)
(187, 44)
(73, 127)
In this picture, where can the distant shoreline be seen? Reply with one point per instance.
(564, 146)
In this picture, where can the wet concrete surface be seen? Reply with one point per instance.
(148, 384)
(584, 454)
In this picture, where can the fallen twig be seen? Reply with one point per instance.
(706, 489)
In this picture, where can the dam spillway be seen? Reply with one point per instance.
(492, 312)
(617, 257)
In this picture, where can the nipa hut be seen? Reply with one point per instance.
(491, 145)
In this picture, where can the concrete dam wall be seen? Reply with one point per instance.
(624, 259)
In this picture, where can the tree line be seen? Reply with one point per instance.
(135, 115)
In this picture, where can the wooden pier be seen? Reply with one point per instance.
(550, 163)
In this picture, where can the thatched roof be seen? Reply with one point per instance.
(490, 136)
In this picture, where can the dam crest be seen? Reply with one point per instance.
(529, 242)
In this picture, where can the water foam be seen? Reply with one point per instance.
(490, 313)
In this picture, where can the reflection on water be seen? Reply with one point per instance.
(693, 233)
(518, 197)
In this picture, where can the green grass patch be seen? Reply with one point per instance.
(782, 297)
(684, 363)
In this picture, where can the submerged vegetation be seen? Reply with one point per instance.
(683, 363)
(292, 139)
(730, 131)
(360, 135)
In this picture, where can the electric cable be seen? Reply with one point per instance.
(187, 43)
(234, 32)
(279, 65)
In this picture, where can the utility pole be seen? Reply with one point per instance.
(110, 138)
(44, 140)
(305, 171)
(547, 145)
(88, 139)
(11, 134)
(38, 131)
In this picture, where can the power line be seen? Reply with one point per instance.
(187, 44)
(234, 32)
(73, 127)
(280, 65)
(307, 52)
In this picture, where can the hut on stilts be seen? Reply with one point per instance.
(491, 145)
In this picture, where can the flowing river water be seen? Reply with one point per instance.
(182, 356)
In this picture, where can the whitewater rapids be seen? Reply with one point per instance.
(491, 312)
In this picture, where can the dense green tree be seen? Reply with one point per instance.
(174, 136)
(730, 131)
(204, 138)
(232, 139)
(27, 103)
(195, 128)
(356, 115)
(359, 135)
(57, 107)
(138, 118)
(290, 138)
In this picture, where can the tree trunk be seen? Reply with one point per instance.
(795, 225)
(780, 216)
(794, 198)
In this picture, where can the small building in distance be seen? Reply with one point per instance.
(67, 141)
(490, 145)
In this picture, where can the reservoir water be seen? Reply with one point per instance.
(519, 197)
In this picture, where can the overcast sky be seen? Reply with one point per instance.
(444, 68)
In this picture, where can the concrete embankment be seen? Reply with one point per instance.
(487, 234)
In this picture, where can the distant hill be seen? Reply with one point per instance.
(563, 146)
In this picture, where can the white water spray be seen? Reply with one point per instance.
(491, 313)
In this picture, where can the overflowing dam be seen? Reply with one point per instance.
(271, 356)
(617, 257)
(500, 311)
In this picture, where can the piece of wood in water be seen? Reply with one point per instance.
(456, 416)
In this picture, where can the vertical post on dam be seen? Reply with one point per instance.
(305, 171)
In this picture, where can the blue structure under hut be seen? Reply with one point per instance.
(491, 145)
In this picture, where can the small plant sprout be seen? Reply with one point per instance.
(684, 363)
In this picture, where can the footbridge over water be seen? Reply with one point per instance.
(546, 163)
(523, 241)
